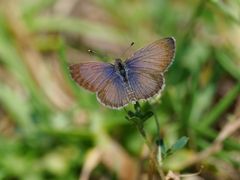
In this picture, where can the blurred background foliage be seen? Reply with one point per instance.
(52, 129)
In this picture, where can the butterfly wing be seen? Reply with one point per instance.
(157, 56)
(145, 85)
(92, 75)
(114, 94)
(147, 65)
(101, 78)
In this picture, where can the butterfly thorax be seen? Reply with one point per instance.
(120, 68)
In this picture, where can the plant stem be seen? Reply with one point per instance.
(156, 121)
(148, 142)
(138, 118)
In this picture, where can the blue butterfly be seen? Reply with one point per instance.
(138, 77)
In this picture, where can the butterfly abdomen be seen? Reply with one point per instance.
(130, 92)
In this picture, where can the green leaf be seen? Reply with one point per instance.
(137, 107)
(147, 115)
(179, 144)
(130, 114)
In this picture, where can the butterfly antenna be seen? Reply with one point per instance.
(127, 49)
(99, 55)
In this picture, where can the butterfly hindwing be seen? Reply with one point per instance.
(114, 94)
(145, 85)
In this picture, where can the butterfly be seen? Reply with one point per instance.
(139, 77)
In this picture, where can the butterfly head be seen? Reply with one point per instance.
(118, 64)
(120, 67)
(118, 61)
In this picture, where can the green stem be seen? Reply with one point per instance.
(148, 142)
(156, 121)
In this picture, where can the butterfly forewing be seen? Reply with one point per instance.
(93, 76)
(155, 57)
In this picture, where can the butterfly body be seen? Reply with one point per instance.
(121, 69)
(138, 77)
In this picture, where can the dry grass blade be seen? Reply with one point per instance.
(92, 159)
(113, 156)
(228, 130)
(117, 159)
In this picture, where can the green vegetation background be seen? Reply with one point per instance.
(52, 129)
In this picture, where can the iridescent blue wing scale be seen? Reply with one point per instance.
(146, 67)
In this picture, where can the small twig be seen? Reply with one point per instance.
(175, 176)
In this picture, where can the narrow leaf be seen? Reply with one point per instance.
(179, 144)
